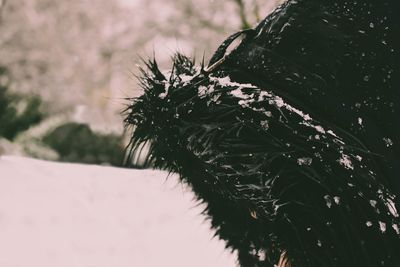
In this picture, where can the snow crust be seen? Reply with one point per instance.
(70, 215)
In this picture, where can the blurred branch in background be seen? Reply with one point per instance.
(251, 12)
(242, 14)
(191, 12)
(256, 11)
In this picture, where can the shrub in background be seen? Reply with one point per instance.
(76, 142)
(51, 138)
(17, 112)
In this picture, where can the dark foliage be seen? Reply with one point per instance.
(13, 122)
(76, 142)
(292, 139)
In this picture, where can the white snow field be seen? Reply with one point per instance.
(71, 215)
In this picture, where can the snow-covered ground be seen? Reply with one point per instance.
(71, 215)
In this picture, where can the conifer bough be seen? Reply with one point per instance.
(291, 139)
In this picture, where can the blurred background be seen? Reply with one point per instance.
(67, 67)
